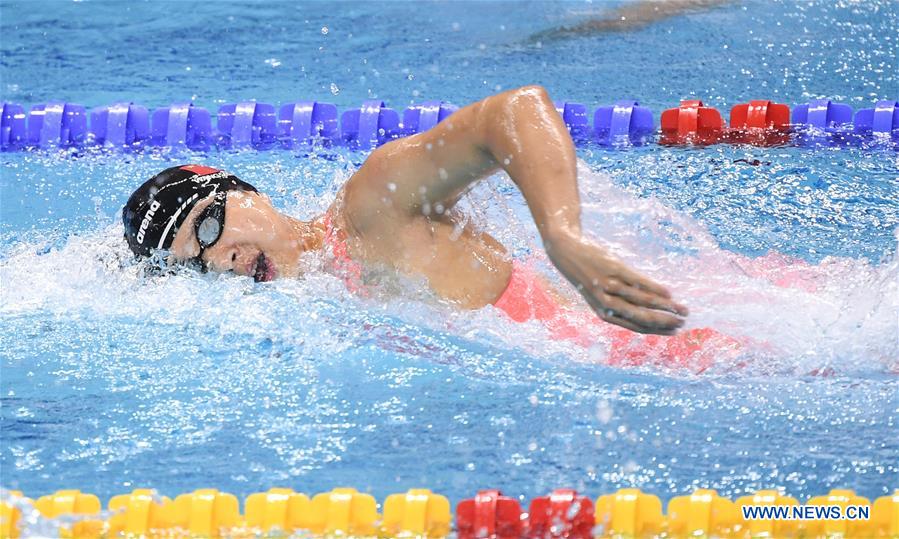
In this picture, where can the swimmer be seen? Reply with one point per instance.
(399, 210)
(629, 17)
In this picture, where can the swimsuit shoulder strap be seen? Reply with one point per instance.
(335, 241)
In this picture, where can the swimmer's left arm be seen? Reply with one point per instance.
(520, 132)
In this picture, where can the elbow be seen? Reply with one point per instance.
(533, 90)
(504, 110)
(532, 95)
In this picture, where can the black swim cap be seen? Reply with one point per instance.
(156, 210)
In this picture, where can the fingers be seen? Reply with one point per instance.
(618, 311)
(618, 321)
(618, 294)
(633, 278)
(650, 319)
(640, 298)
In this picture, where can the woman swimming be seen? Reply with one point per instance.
(399, 210)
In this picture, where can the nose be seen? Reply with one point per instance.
(231, 258)
(242, 260)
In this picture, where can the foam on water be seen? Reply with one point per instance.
(836, 315)
(114, 378)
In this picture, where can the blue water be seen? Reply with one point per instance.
(113, 380)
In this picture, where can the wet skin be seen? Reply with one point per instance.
(398, 210)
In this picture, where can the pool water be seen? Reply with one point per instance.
(113, 379)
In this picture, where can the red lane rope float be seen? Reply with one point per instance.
(760, 114)
(691, 122)
(564, 513)
(759, 122)
(489, 514)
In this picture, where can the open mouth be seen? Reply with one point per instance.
(264, 270)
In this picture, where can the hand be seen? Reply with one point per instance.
(616, 293)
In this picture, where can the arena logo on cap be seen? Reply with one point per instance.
(204, 180)
(146, 222)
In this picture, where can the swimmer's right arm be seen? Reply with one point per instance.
(520, 132)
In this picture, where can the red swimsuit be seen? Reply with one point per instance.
(527, 298)
(346, 267)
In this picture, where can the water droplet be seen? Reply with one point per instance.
(604, 411)
(325, 30)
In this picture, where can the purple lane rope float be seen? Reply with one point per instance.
(304, 124)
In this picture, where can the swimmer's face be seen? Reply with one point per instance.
(256, 241)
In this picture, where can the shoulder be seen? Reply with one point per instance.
(368, 202)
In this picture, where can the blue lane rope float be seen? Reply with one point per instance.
(418, 118)
(575, 117)
(247, 125)
(369, 126)
(305, 121)
(181, 125)
(262, 126)
(57, 124)
(824, 115)
(882, 119)
(12, 126)
(626, 122)
(121, 124)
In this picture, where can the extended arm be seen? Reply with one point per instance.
(520, 132)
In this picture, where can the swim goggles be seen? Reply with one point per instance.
(209, 225)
